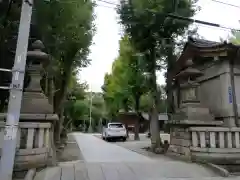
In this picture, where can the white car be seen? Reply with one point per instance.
(114, 131)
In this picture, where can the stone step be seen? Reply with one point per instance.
(53, 173)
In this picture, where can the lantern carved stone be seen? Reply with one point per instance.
(34, 101)
(190, 109)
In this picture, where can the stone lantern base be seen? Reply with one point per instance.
(181, 136)
(33, 141)
(189, 115)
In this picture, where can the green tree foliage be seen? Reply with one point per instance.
(235, 38)
(67, 30)
(9, 18)
(78, 104)
(146, 102)
(133, 75)
(111, 103)
(67, 36)
(153, 34)
(127, 82)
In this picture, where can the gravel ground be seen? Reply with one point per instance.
(139, 147)
(71, 152)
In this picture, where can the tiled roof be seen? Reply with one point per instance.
(205, 43)
(196, 47)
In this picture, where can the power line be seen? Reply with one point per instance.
(211, 27)
(200, 22)
(174, 16)
(188, 19)
(111, 3)
(74, 2)
(101, 5)
(227, 4)
(108, 2)
(216, 1)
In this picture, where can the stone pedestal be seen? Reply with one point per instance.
(35, 138)
(181, 136)
(189, 114)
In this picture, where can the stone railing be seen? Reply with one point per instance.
(215, 143)
(33, 144)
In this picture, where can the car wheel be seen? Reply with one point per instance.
(124, 139)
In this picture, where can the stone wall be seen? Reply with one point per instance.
(215, 91)
(237, 87)
(180, 140)
(215, 88)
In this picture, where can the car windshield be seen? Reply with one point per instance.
(116, 125)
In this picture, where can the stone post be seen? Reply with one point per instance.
(191, 113)
(35, 105)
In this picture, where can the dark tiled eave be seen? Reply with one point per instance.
(200, 47)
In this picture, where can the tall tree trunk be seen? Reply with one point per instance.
(60, 97)
(46, 89)
(150, 118)
(58, 128)
(155, 133)
(125, 105)
(137, 123)
(53, 153)
(50, 90)
(169, 92)
(127, 130)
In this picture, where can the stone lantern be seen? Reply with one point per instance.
(35, 134)
(191, 110)
(189, 88)
(34, 101)
(191, 113)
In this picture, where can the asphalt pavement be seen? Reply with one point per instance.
(101, 160)
(109, 161)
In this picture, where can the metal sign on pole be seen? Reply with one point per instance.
(16, 89)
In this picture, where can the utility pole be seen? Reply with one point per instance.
(16, 89)
(90, 130)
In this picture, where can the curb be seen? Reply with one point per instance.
(174, 156)
(216, 168)
(30, 174)
(70, 162)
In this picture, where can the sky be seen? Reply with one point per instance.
(106, 40)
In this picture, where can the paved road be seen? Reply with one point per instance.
(108, 155)
(108, 161)
(96, 150)
(142, 136)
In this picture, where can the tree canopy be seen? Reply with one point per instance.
(66, 29)
(126, 84)
(235, 38)
(67, 37)
(153, 33)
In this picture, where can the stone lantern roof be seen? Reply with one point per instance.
(203, 48)
(189, 72)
